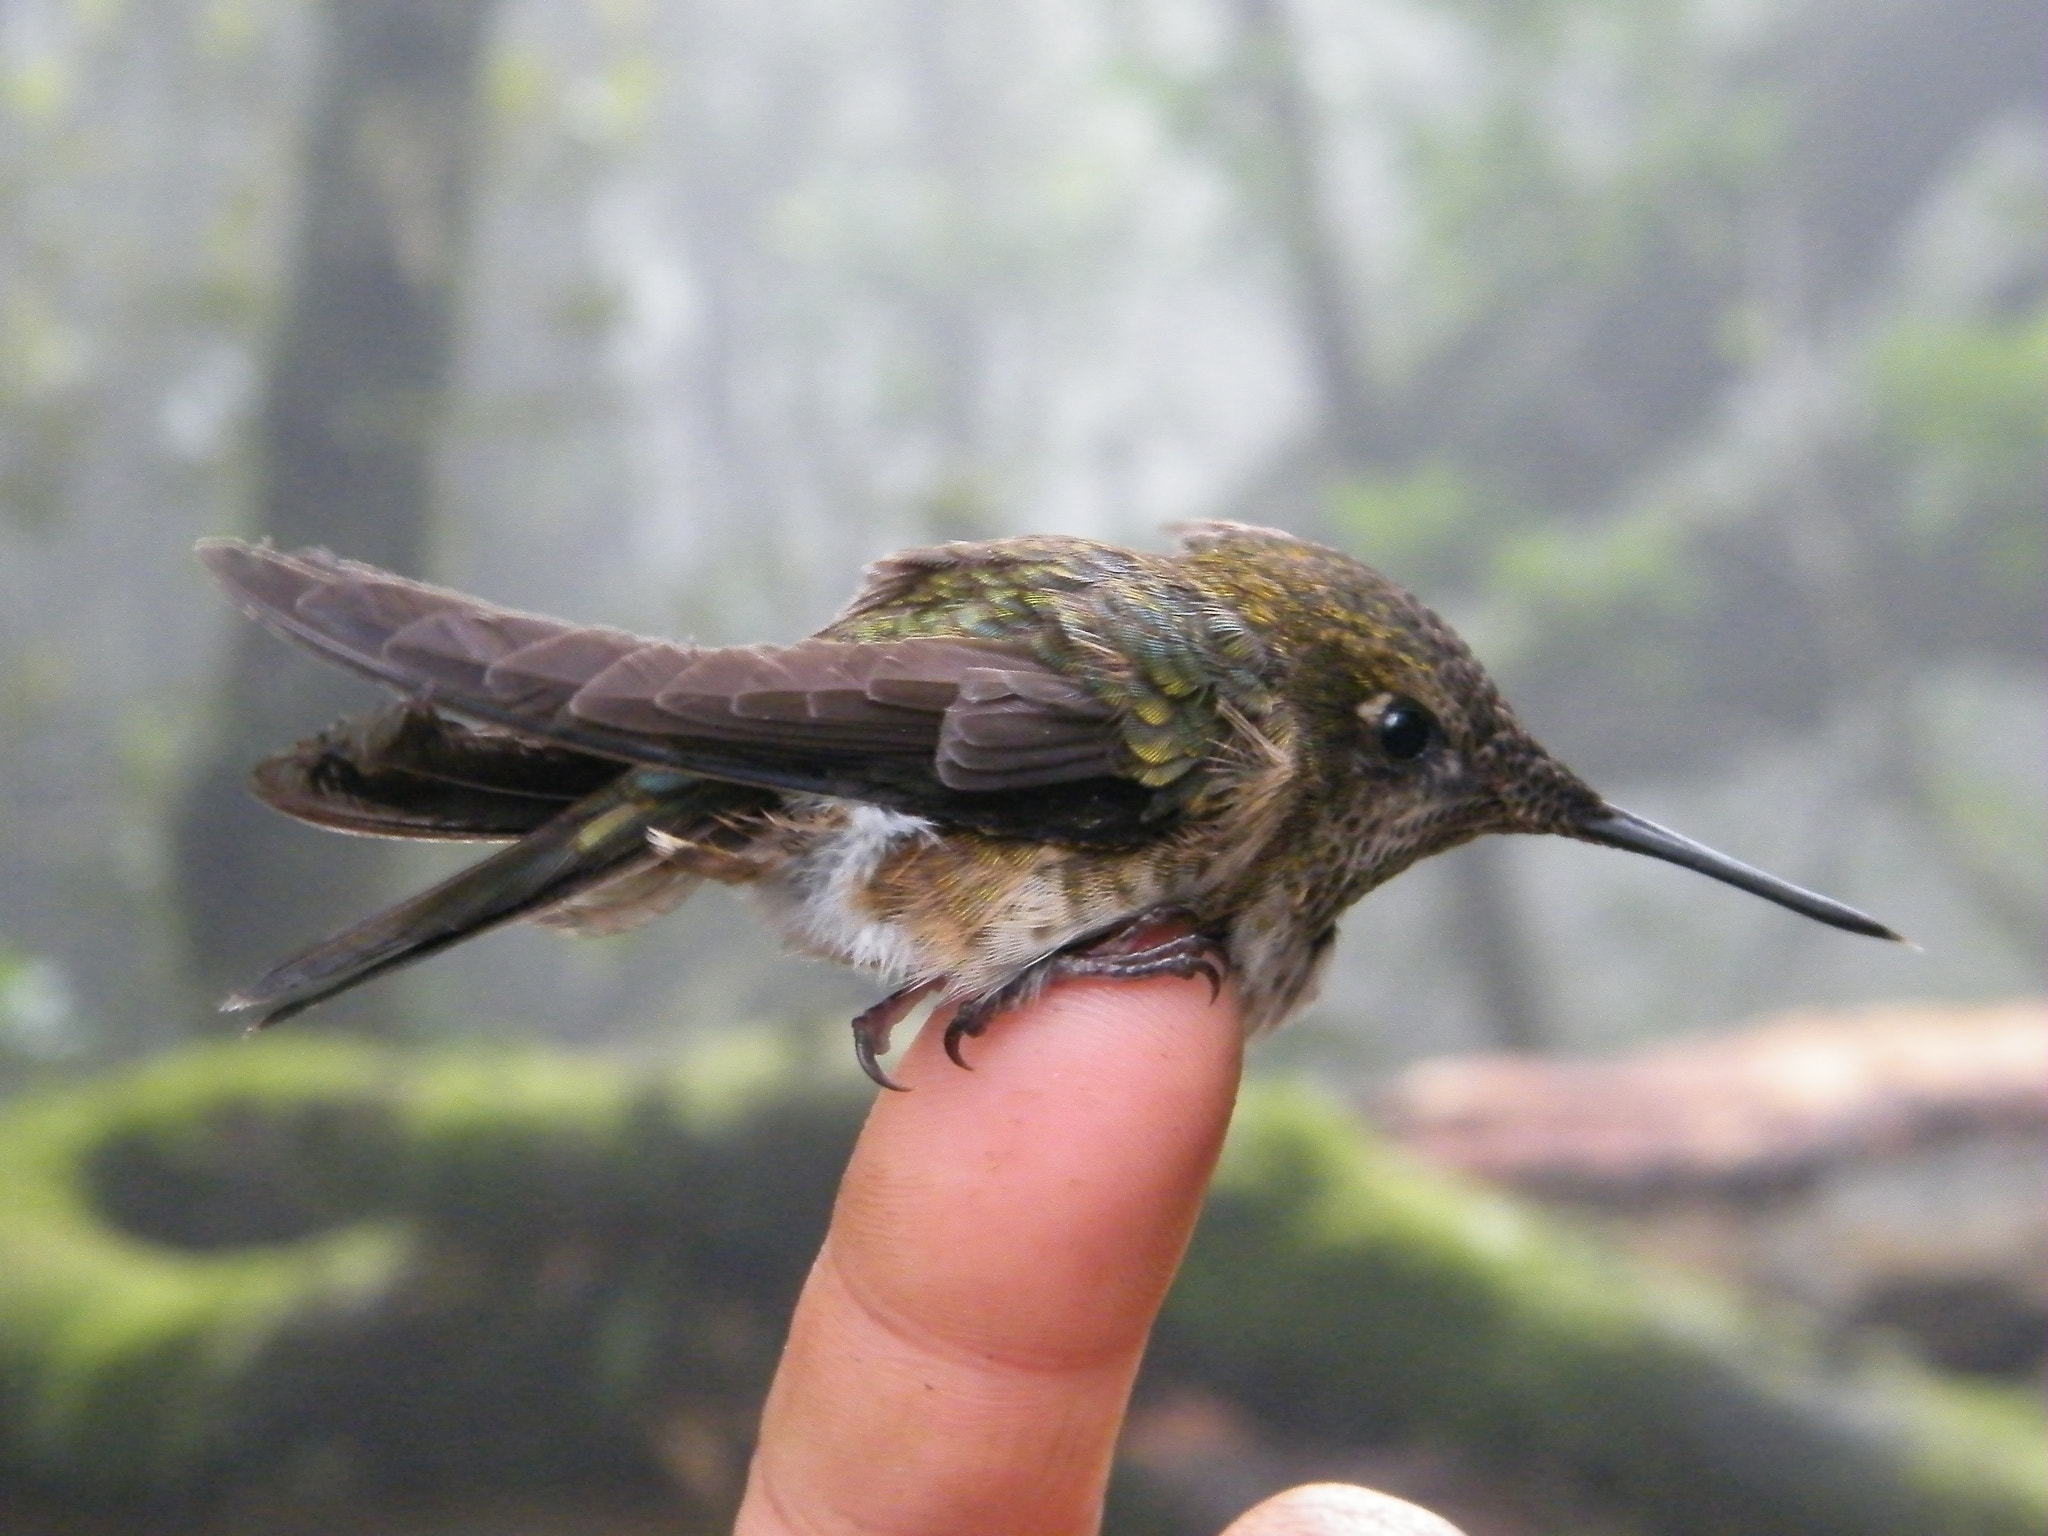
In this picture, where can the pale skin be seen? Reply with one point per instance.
(963, 1353)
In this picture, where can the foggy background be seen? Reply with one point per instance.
(1683, 354)
(1687, 354)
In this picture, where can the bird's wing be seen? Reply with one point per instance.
(922, 721)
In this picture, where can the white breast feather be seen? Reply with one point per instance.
(817, 899)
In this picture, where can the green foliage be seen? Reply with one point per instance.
(1414, 521)
(38, 1019)
(1960, 402)
(1601, 368)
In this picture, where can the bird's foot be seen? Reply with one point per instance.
(871, 1030)
(1156, 943)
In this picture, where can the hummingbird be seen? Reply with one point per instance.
(1003, 763)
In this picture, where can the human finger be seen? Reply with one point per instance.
(963, 1352)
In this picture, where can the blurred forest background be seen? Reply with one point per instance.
(1688, 354)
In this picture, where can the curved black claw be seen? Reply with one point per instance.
(869, 1058)
(970, 1019)
(872, 1027)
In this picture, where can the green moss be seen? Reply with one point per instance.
(468, 1267)
(123, 1353)
(463, 1261)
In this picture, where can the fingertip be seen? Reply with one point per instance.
(964, 1351)
(1084, 1136)
(1338, 1509)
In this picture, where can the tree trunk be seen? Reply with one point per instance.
(1332, 324)
(356, 380)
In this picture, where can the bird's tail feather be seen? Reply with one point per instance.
(592, 841)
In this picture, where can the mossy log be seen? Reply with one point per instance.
(432, 1270)
(303, 1258)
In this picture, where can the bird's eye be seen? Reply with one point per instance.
(1402, 727)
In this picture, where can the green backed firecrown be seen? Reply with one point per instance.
(1003, 763)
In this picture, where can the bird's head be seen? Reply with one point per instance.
(1403, 746)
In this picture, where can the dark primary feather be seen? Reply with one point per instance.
(941, 725)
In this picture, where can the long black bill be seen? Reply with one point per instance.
(1618, 829)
